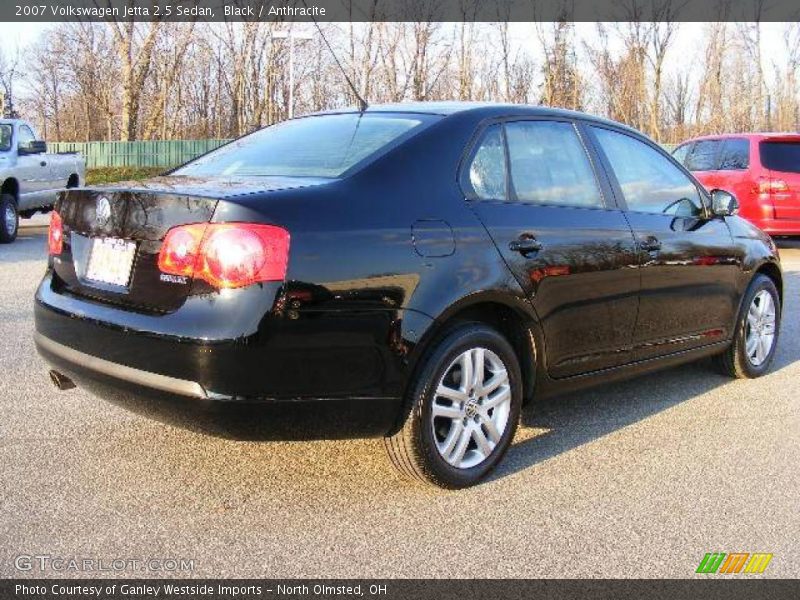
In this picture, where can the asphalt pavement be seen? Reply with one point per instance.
(638, 479)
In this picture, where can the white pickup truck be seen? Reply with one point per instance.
(30, 178)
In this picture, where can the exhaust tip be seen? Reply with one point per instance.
(61, 381)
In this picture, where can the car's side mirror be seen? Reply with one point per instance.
(33, 147)
(723, 204)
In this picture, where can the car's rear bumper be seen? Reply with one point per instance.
(72, 359)
(186, 404)
(282, 381)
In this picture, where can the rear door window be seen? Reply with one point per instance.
(549, 165)
(703, 156)
(735, 155)
(783, 157)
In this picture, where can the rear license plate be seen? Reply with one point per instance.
(110, 261)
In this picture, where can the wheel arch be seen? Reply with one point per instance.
(773, 271)
(10, 186)
(513, 317)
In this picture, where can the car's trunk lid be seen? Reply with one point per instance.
(113, 235)
(112, 240)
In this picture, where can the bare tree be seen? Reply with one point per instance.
(9, 72)
(677, 101)
(562, 83)
(134, 44)
(171, 51)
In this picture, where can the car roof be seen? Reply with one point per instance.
(481, 110)
(766, 135)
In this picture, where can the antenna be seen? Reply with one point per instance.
(362, 103)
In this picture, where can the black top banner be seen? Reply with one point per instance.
(399, 10)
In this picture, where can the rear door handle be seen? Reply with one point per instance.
(525, 245)
(650, 244)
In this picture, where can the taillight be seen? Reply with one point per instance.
(181, 249)
(226, 255)
(764, 185)
(55, 234)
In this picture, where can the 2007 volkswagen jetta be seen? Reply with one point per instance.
(427, 268)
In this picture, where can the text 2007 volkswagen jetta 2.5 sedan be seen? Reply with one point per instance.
(420, 270)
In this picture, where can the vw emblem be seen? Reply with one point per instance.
(103, 211)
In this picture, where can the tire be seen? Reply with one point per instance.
(428, 448)
(743, 360)
(9, 219)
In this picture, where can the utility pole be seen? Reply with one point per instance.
(291, 36)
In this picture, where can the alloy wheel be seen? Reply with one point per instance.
(760, 328)
(10, 219)
(471, 408)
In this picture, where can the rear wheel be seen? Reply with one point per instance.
(9, 219)
(756, 335)
(465, 409)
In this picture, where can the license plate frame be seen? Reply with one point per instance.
(111, 262)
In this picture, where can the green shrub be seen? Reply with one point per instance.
(100, 175)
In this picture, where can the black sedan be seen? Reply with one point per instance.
(420, 270)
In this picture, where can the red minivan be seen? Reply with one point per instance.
(761, 169)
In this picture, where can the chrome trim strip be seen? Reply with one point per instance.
(165, 383)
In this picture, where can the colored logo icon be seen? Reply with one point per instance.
(738, 562)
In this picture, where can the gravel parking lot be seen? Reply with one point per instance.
(638, 479)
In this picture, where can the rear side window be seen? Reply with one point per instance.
(316, 146)
(703, 156)
(780, 156)
(487, 170)
(650, 182)
(735, 155)
(549, 165)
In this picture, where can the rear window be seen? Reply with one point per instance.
(5, 137)
(318, 146)
(781, 156)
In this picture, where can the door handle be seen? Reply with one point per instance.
(43, 164)
(650, 244)
(525, 245)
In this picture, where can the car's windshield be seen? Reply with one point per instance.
(318, 146)
(5, 137)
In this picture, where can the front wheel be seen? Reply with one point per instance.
(756, 334)
(9, 219)
(465, 407)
